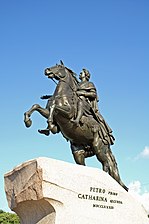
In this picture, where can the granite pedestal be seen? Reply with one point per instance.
(48, 191)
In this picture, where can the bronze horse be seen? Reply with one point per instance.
(85, 139)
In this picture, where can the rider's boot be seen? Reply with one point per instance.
(79, 115)
(76, 121)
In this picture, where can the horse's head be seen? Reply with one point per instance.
(57, 72)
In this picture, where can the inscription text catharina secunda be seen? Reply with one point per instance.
(103, 196)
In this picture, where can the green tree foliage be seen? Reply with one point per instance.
(8, 218)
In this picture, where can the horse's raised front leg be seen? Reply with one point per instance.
(36, 107)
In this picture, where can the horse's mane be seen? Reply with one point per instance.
(74, 75)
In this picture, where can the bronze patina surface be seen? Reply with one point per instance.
(73, 111)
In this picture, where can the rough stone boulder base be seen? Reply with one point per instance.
(48, 191)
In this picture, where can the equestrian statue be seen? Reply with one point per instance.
(73, 111)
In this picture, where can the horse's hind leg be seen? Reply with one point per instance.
(78, 154)
(35, 107)
(79, 157)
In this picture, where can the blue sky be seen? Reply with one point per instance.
(111, 40)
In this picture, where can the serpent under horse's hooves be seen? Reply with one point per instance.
(60, 111)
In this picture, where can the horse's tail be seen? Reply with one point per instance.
(113, 169)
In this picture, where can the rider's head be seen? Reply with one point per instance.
(84, 74)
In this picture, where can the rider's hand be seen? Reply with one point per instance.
(80, 93)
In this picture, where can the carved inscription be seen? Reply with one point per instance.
(101, 198)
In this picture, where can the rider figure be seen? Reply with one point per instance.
(88, 99)
(87, 95)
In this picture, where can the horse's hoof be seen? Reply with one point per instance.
(44, 131)
(28, 123)
(54, 129)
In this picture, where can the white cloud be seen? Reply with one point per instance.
(144, 154)
(135, 187)
(135, 191)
